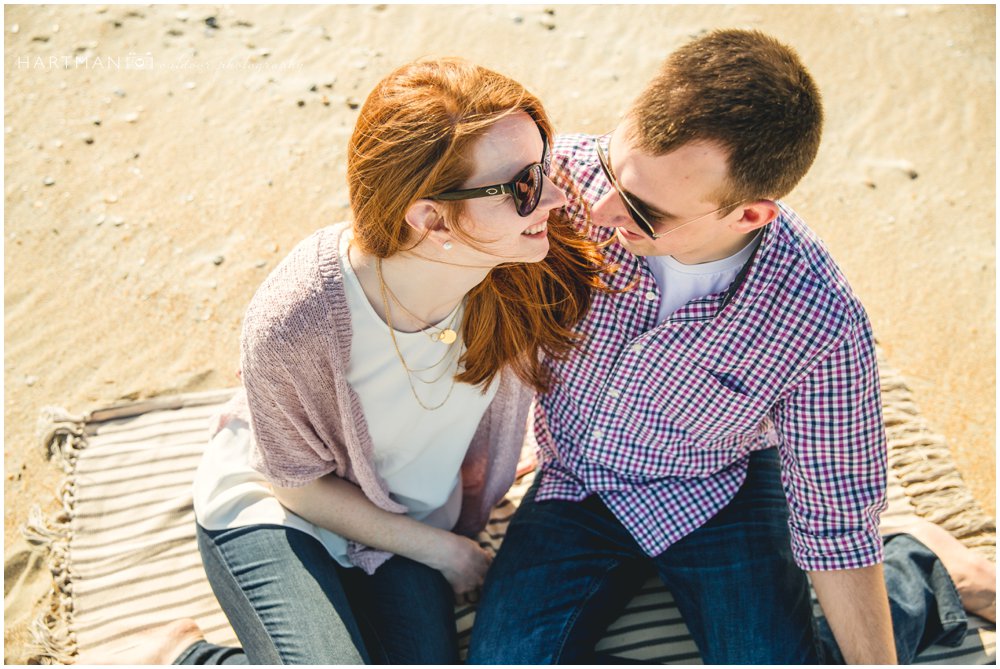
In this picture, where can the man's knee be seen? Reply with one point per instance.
(496, 645)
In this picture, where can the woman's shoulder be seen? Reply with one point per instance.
(303, 295)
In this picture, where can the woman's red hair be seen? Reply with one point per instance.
(413, 140)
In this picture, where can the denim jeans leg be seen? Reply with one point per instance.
(923, 602)
(406, 611)
(564, 572)
(203, 652)
(737, 587)
(282, 594)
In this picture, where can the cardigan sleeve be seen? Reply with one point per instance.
(491, 462)
(288, 376)
(288, 447)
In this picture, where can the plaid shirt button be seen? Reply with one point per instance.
(614, 393)
(597, 434)
(637, 347)
(650, 296)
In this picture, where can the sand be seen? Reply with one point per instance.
(151, 185)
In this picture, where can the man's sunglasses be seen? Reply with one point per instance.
(526, 188)
(644, 224)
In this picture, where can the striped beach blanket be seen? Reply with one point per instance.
(125, 560)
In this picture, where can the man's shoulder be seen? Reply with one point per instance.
(567, 143)
(805, 257)
(577, 174)
(575, 151)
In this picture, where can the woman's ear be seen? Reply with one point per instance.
(755, 215)
(427, 219)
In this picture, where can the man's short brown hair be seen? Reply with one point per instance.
(745, 92)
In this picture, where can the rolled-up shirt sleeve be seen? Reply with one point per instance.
(834, 456)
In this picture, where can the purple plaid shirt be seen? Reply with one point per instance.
(659, 419)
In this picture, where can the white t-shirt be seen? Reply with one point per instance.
(418, 453)
(680, 283)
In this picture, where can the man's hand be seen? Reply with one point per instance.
(856, 605)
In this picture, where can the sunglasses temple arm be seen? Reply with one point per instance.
(682, 225)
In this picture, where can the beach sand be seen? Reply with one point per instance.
(151, 185)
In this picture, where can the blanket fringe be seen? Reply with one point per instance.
(40, 533)
(923, 463)
(51, 639)
(61, 434)
(52, 642)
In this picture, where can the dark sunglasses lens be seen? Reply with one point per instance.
(528, 190)
(639, 220)
(603, 161)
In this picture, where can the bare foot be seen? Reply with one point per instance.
(160, 646)
(975, 577)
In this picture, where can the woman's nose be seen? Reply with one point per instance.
(553, 197)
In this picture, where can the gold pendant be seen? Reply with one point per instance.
(447, 336)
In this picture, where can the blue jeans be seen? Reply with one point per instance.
(566, 570)
(289, 602)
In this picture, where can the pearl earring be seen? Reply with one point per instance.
(446, 246)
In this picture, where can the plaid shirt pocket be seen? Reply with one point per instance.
(715, 410)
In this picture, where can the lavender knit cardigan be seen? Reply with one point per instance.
(307, 421)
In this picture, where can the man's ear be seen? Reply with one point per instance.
(755, 215)
(426, 218)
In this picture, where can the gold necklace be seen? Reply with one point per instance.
(447, 335)
(399, 354)
(383, 290)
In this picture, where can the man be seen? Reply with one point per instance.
(722, 424)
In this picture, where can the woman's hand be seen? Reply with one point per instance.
(463, 562)
(341, 507)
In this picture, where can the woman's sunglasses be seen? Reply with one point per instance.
(526, 188)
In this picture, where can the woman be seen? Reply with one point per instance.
(387, 368)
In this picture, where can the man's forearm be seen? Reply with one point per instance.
(856, 605)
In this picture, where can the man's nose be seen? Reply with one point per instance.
(609, 211)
